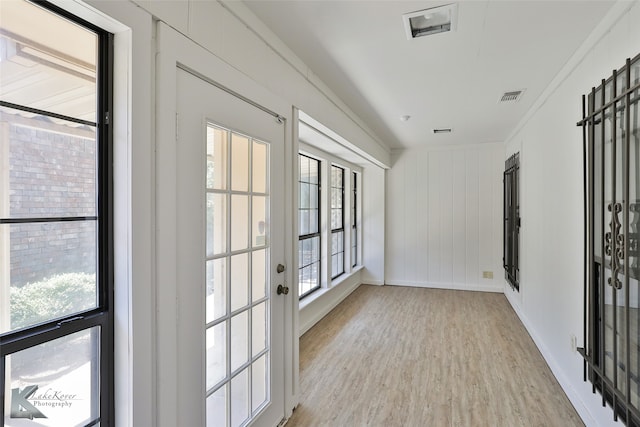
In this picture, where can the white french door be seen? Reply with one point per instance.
(229, 192)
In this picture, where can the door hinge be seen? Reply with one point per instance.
(106, 118)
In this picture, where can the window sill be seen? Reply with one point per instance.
(315, 295)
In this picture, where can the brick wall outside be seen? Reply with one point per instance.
(51, 174)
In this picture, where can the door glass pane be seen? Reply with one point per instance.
(240, 398)
(216, 302)
(52, 270)
(64, 64)
(216, 354)
(259, 221)
(258, 331)
(216, 223)
(260, 162)
(217, 408)
(239, 281)
(217, 143)
(239, 222)
(258, 274)
(258, 383)
(236, 301)
(239, 340)
(239, 163)
(55, 383)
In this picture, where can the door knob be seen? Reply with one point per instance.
(282, 290)
(280, 268)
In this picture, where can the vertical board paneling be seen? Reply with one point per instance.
(422, 227)
(446, 221)
(444, 218)
(472, 221)
(411, 238)
(459, 220)
(485, 212)
(433, 182)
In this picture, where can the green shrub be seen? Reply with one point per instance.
(52, 298)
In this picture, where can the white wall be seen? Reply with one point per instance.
(373, 223)
(444, 218)
(233, 34)
(550, 301)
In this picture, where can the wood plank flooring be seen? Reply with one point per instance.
(393, 356)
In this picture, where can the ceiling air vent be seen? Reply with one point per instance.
(442, 130)
(513, 96)
(426, 22)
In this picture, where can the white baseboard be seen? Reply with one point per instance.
(452, 286)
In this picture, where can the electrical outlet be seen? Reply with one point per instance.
(487, 274)
(574, 343)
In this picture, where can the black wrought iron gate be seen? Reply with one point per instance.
(611, 134)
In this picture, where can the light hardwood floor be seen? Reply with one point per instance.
(394, 356)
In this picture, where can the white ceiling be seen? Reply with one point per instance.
(359, 49)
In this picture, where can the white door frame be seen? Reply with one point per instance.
(174, 49)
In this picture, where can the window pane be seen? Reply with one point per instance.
(217, 143)
(314, 166)
(52, 166)
(52, 270)
(313, 222)
(60, 71)
(304, 168)
(304, 222)
(313, 197)
(55, 383)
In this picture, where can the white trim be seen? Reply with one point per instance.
(134, 218)
(450, 286)
(332, 135)
(175, 50)
(318, 154)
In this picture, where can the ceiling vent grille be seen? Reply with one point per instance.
(513, 96)
(442, 130)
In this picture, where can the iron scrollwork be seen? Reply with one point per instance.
(612, 237)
